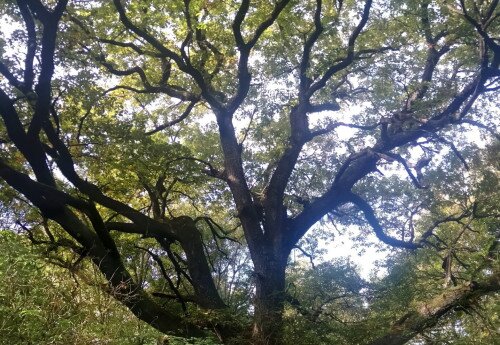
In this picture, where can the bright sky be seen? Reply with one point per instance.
(343, 247)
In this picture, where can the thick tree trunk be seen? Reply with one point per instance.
(269, 302)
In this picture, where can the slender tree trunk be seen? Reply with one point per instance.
(269, 302)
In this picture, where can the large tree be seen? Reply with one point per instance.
(167, 129)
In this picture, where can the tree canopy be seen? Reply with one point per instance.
(199, 153)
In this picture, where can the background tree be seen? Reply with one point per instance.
(171, 143)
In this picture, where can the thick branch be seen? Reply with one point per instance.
(244, 77)
(100, 248)
(350, 52)
(238, 21)
(306, 54)
(123, 288)
(428, 315)
(43, 87)
(190, 240)
(332, 126)
(374, 223)
(29, 74)
(162, 49)
(299, 126)
(235, 177)
(171, 90)
(362, 163)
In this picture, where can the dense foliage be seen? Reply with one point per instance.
(195, 159)
(44, 304)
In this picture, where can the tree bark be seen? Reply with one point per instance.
(269, 300)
